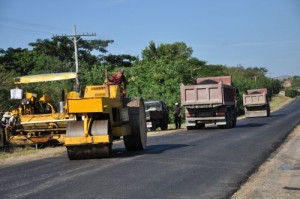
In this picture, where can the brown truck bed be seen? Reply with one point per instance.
(255, 100)
(207, 94)
(255, 97)
(256, 103)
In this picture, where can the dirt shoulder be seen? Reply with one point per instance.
(279, 176)
(279, 102)
(31, 155)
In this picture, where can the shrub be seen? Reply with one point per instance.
(291, 93)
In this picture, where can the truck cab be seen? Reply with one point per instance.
(157, 115)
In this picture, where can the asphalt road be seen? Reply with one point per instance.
(207, 163)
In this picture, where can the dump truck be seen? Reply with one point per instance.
(38, 120)
(157, 115)
(102, 114)
(210, 100)
(256, 103)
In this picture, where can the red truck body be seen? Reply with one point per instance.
(256, 103)
(210, 100)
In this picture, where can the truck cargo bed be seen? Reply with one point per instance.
(256, 103)
(210, 95)
(255, 100)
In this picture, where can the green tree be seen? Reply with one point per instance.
(48, 64)
(117, 61)
(63, 48)
(161, 71)
(296, 82)
(92, 75)
(178, 50)
(150, 52)
(289, 92)
(17, 60)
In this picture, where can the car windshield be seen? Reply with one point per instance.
(153, 106)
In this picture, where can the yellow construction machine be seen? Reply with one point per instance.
(102, 114)
(38, 120)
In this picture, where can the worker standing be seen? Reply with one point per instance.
(177, 116)
(6, 123)
(119, 78)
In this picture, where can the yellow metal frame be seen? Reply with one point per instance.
(69, 141)
(39, 128)
(45, 78)
(97, 99)
(106, 90)
(92, 105)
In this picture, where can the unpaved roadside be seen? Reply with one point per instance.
(279, 176)
(34, 155)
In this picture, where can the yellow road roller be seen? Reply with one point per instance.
(102, 115)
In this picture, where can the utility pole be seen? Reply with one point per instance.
(75, 38)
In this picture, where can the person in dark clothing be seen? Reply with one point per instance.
(5, 123)
(177, 116)
(119, 78)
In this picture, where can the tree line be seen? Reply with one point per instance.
(157, 74)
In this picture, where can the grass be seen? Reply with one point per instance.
(278, 101)
(12, 152)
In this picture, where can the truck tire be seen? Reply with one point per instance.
(164, 125)
(153, 128)
(234, 119)
(137, 120)
(268, 111)
(228, 119)
(200, 125)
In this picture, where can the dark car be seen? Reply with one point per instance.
(157, 115)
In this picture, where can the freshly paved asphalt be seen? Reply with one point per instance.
(207, 163)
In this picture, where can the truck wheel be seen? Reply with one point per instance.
(153, 128)
(137, 119)
(229, 121)
(200, 125)
(164, 125)
(234, 119)
(268, 111)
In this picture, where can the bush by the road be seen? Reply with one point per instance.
(291, 93)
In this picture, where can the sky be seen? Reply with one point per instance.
(248, 33)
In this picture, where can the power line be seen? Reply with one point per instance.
(4, 27)
(26, 24)
(75, 38)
